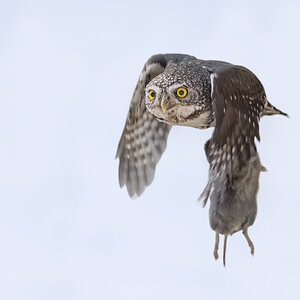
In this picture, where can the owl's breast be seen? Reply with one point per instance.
(191, 116)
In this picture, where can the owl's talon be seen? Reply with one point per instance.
(250, 243)
(216, 248)
(224, 249)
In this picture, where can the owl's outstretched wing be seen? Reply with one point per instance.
(238, 99)
(144, 138)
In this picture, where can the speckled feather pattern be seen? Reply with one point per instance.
(144, 138)
(142, 145)
(192, 76)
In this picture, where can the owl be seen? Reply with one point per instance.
(179, 89)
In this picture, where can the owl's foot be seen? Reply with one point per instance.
(251, 245)
(224, 249)
(217, 239)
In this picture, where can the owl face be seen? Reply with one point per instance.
(177, 98)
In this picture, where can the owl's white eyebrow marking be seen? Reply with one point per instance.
(174, 86)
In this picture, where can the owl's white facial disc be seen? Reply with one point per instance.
(176, 104)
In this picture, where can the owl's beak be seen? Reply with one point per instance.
(166, 103)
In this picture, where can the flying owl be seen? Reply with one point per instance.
(179, 89)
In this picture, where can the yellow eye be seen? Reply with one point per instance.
(151, 94)
(181, 92)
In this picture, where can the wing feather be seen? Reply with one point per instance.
(144, 138)
(238, 99)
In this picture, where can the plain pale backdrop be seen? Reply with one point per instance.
(67, 231)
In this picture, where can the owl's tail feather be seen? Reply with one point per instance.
(205, 194)
(270, 110)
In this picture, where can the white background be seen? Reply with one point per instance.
(67, 231)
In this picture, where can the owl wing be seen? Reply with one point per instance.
(144, 138)
(238, 100)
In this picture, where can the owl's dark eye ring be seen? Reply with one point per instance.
(151, 94)
(181, 92)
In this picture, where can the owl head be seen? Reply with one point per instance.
(180, 95)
